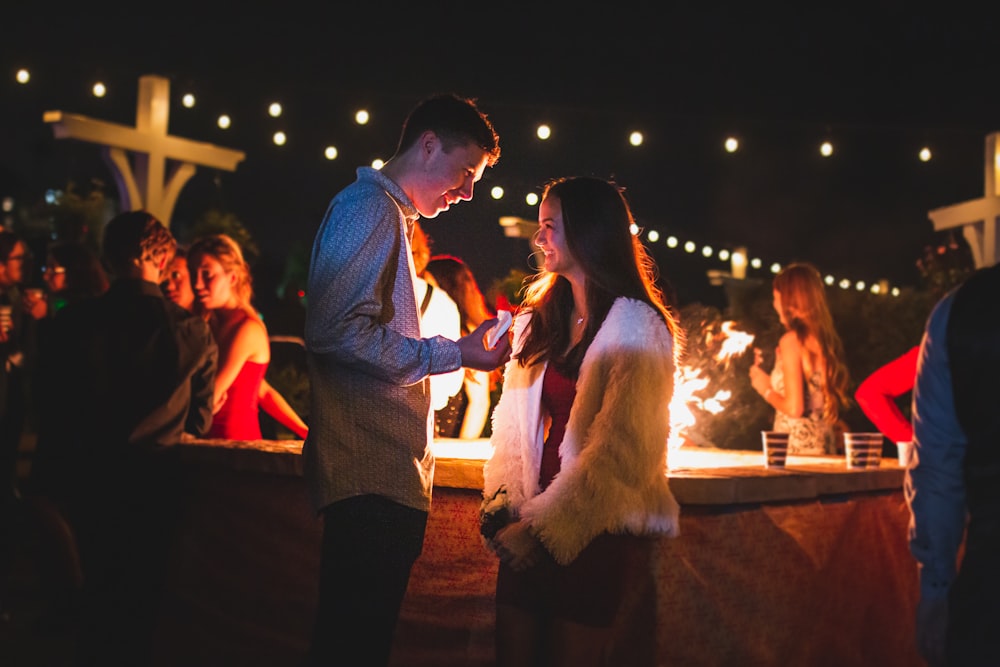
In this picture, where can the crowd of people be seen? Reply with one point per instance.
(116, 359)
(127, 353)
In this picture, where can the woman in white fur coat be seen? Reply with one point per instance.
(580, 432)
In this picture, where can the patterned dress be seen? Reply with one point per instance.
(810, 433)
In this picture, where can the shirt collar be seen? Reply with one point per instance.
(396, 192)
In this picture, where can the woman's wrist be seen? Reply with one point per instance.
(767, 394)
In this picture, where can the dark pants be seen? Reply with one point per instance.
(974, 603)
(369, 546)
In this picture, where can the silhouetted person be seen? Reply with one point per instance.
(126, 375)
(953, 485)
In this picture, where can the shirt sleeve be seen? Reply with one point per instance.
(877, 393)
(353, 278)
(934, 485)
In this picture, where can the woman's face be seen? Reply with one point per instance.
(13, 267)
(551, 238)
(55, 275)
(212, 285)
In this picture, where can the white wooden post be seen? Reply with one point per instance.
(144, 184)
(978, 218)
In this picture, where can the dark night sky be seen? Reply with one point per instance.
(880, 83)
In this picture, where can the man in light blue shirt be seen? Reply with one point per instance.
(367, 460)
(955, 479)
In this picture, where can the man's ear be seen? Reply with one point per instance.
(428, 142)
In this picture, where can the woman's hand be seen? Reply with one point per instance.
(517, 546)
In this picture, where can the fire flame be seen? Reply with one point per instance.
(689, 382)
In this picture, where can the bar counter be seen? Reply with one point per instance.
(802, 566)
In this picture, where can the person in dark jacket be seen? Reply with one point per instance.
(125, 376)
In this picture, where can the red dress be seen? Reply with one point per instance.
(238, 418)
(589, 590)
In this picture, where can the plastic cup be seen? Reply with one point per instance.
(904, 450)
(775, 448)
(863, 450)
(6, 321)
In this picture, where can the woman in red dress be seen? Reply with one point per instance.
(223, 291)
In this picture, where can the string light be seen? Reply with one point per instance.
(544, 132)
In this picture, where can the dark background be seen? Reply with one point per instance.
(880, 82)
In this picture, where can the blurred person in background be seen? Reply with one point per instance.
(125, 375)
(72, 271)
(466, 414)
(877, 394)
(439, 316)
(15, 345)
(808, 384)
(953, 483)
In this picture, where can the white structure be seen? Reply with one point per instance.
(144, 184)
(978, 217)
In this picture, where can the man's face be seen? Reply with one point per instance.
(12, 271)
(448, 177)
(177, 284)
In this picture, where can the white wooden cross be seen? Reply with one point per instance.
(146, 187)
(978, 217)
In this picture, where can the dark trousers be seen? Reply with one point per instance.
(974, 603)
(369, 546)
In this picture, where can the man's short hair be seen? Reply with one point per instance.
(456, 120)
(136, 235)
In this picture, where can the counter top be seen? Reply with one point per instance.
(698, 476)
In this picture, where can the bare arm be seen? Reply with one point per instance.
(789, 355)
(274, 404)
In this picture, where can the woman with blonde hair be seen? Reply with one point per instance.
(224, 291)
(808, 384)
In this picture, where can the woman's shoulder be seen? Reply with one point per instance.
(245, 328)
(634, 323)
(789, 342)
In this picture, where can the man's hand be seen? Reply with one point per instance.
(477, 356)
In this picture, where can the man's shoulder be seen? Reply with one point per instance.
(186, 321)
(362, 195)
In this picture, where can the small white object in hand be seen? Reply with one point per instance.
(499, 329)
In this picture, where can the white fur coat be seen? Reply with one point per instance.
(613, 457)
